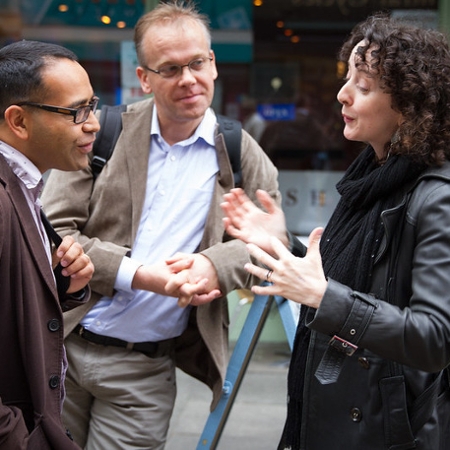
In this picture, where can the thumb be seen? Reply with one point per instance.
(314, 240)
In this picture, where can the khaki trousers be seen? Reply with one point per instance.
(117, 398)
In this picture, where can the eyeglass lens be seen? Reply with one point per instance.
(175, 70)
(83, 112)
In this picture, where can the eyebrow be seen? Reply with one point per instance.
(80, 103)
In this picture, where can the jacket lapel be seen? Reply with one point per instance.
(136, 130)
(31, 234)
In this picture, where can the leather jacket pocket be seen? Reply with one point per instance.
(397, 429)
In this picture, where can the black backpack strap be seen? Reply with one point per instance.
(232, 133)
(110, 129)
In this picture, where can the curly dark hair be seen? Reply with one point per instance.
(413, 66)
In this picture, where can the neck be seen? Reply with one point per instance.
(174, 132)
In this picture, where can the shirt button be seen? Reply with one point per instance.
(53, 382)
(162, 192)
(53, 325)
(172, 158)
(356, 415)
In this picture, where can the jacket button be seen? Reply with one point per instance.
(356, 415)
(54, 325)
(53, 382)
(364, 362)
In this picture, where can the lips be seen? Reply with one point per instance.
(189, 97)
(347, 119)
(86, 147)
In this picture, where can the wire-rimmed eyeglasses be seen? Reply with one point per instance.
(175, 70)
(79, 115)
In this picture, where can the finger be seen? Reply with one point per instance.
(261, 255)
(314, 241)
(188, 291)
(85, 272)
(178, 266)
(279, 248)
(73, 253)
(176, 281)
(184, 301)
(65, 245)
(201, 299)
(76, 265)
(266, 201)
(257, 271)
(238, 203)
(269, 289)
(231, 229)
(178, 257)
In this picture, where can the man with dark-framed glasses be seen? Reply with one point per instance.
(159, 195)
(33, 140)
(80, 114)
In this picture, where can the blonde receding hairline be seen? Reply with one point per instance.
(166, 14)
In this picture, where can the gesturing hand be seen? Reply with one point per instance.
(245, 221)
(299, 279)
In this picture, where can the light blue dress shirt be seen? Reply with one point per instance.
(180, 184)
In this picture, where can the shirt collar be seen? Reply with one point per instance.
(22, 167)
(205, 131)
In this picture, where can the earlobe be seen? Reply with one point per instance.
(144, 80)
(17, 121)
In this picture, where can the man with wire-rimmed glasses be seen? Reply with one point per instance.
(38, 79)
(159, 195)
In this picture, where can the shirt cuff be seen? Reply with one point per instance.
(125, 274)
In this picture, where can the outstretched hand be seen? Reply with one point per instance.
(299, 279)
(245, 221)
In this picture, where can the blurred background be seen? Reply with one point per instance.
(277, 73)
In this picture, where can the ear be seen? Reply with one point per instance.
(144, 79)
(18, 121)
(213, 65)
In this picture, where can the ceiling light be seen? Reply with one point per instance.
(63, 8)
(121, 24)
(106, 20)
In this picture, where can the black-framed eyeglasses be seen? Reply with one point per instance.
(79, 115)
(175, 70)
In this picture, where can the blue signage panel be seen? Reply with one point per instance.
(277, 111)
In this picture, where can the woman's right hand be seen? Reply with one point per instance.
(245, 221)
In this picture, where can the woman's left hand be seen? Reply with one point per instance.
(299, 279)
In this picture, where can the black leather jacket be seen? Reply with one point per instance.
(392, 392)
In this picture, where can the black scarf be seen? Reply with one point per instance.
(351, 239)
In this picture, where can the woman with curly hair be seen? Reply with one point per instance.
(368, 368)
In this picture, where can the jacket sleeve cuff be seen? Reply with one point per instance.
(343, 313)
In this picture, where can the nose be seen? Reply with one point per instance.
(343, 95)
(186, 76)
(92, 125)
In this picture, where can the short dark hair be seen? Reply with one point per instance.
(413, 66)
(21, 67)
